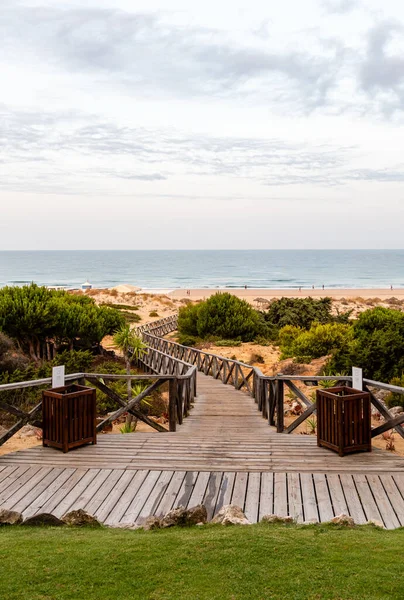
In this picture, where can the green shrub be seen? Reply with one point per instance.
(395, 399)
(301, 312)
(34, 315)
(153, 313)
(188, 320)
(222, 315)
(228, 343)
(377, 345)
(188, 340)
(131, 317)
(319, 341)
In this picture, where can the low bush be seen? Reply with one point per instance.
(394, 399)
(228, 343)
(319, 341)
(377, 345)
(224, 316)
(302, 312)
(153, 313)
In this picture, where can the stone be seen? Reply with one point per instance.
(343, 520)
(10, 517)
(310, 522)
(152, 523)
(296, 408)
(80, 518)
(43, 519)
(375, 523)
(276, 519)
(196, 515)
(231, 515)
(396, 410)
(176, 516)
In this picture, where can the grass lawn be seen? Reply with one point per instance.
(213, 562)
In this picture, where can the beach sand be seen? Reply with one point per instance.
(251, 294)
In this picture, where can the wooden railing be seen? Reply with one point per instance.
(268, 391)
(167, 361)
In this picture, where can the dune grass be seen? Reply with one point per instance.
(236, 563)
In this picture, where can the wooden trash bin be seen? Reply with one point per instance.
(343, 420)
(69, 417)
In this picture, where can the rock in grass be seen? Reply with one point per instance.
(152, 523)
(10, 517)
(276, 519)
(231, 515)
(79, 518)
(43, 519)
(176, 516)
(343, 520)
(375, 523)
(197, 515)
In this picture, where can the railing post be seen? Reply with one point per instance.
(172, 404)
(280, 425)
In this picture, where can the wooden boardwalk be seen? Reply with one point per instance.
(224, 452)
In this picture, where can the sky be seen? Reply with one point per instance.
(132, 124)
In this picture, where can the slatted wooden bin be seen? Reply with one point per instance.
(343, 420)
(69, 416)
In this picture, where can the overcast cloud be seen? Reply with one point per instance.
(141, 124)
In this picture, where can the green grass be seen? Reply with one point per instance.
(214, 562)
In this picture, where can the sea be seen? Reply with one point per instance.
(173, 269)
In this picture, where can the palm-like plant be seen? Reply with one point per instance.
(132, 348)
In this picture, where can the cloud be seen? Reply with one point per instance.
(381, 74)
(340, 6)
(146, 54)
(88, 154)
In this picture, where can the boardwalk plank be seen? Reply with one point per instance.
(103, 491)
(186, 488)
(396, 500)
(115, 494)
(226, 491)
(155, 496)
(280, 495)
(266, 495)
(64, 506)
(295, 497)
(368, 504)
(252, 499)
(199, 490)
(323, 497)
(352, 499)
(32, 492)
(212, 492)
(310, 508)
(47, 493)
(240, 490)
(337, 495)
(139, 491)
(168, 500)
(383, 503)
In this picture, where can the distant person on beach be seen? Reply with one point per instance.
(245, 287)
(300, 288)
(312, 287)
(323, 285)
(391, 287)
